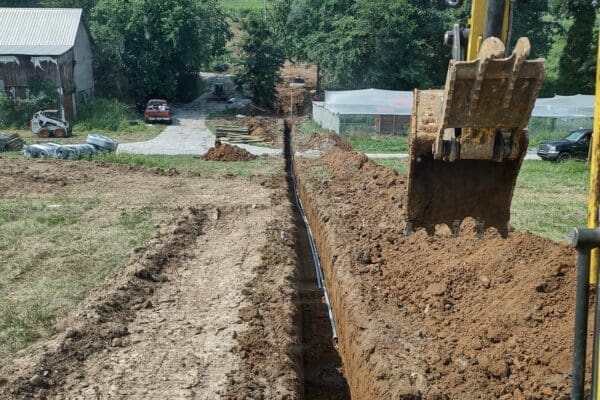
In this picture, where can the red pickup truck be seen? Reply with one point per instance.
(158, 110)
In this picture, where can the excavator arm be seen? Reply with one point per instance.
(468, 140)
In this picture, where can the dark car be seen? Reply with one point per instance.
(575, 145)
(158, 110)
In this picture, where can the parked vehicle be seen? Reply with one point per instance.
(158, 110)
(575, 145)
(50, 123)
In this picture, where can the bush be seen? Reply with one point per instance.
(107, 115)
(18, 112)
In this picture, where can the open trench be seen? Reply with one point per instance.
(322, 366)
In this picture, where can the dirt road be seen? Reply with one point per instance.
(188, 134)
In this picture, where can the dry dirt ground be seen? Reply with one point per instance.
(188, 316)
(435, 317)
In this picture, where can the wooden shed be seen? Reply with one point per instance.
(46, 43)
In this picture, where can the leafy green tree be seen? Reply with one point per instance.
(262, 58)
(156, 43)
(577, 64)
(362, 43)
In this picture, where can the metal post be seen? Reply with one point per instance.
(594, 195)
(581, 321)
(584, 239)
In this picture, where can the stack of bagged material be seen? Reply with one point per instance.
(95, 144)
(11, 142)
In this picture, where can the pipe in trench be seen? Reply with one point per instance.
(311, 241)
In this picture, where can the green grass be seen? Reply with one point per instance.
(195, 165)
(310, 127)
(108, 116)
(549, 199)
(400, 165)
(55, 249)
(379, 143)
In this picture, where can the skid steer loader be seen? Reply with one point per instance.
(468, 140)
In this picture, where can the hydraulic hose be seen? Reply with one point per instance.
(494, 19)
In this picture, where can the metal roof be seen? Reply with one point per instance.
(369, 102)
(38, 31)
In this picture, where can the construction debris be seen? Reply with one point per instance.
(237, 134)
(12, 142)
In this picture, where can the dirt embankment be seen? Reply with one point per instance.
(435, 317)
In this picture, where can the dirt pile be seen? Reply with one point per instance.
(227, 152)
(436, 317)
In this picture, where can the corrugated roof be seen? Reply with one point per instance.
(38, 31)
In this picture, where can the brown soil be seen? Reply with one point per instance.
(204, 310)
(436, 317)
(227, 152)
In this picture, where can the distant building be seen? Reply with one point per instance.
(365, 111)
(46, 43)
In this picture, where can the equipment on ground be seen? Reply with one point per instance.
(50, 123)
(218, 92)
(467, 141)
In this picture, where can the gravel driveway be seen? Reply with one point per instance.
(187, 135)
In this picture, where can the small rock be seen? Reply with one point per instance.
(485, 282)
(498, 369)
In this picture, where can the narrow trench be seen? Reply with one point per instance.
(322, 365)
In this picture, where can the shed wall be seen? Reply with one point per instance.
(83, 73)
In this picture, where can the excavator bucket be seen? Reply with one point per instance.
(467, 141)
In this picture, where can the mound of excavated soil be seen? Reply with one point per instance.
(227, 152)
(436, 317)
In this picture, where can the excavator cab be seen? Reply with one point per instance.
(468, 140)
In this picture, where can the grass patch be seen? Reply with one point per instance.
(195, 165)
(108, 115)
(549, 199)
(379, 143)
(400, 165)
(310, 127)
(55, 249)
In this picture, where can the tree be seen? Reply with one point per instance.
(363, 43)
(578, 60)
(262, 58)
(156, 43)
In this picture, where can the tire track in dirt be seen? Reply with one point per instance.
(180, 342)
(170, 323)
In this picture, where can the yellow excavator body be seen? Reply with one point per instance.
(468, 140)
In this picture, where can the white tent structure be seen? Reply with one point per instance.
(578, 106)
(367, 110)
(375, 110)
